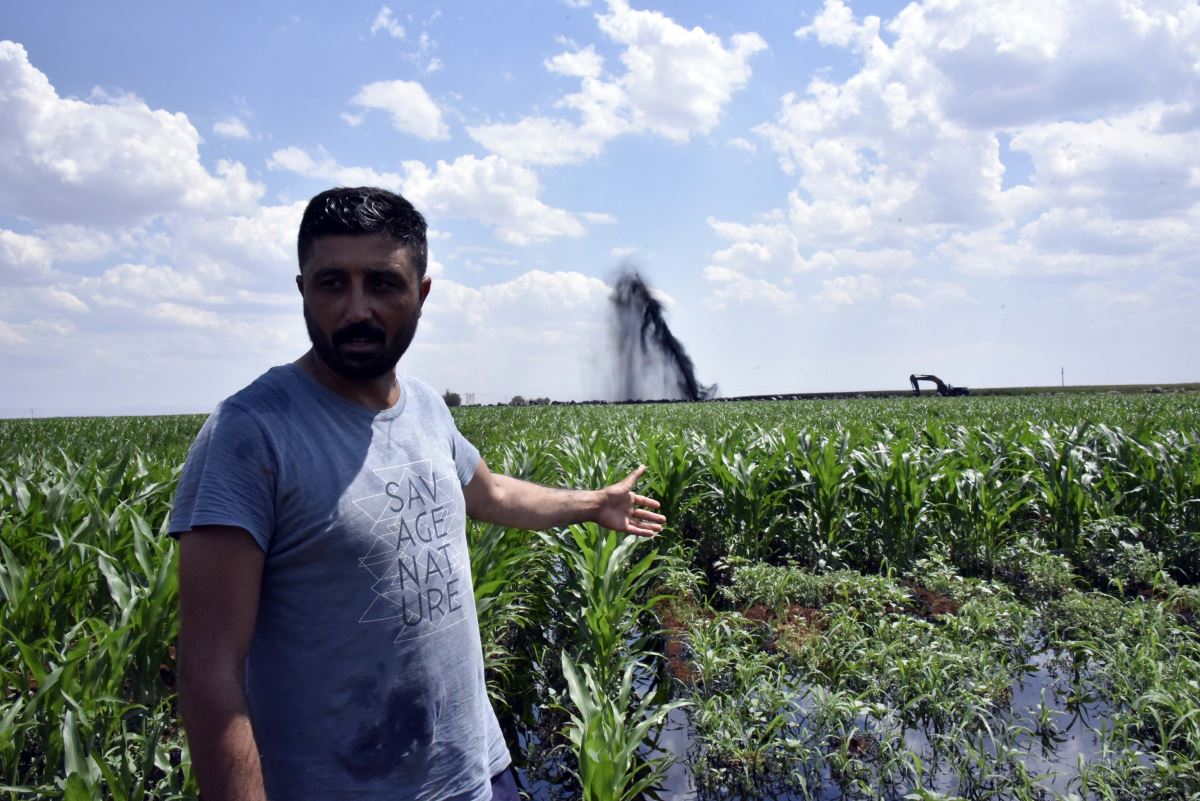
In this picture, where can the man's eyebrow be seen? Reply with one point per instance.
(388, 272)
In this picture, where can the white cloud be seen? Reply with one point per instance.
(10, 335)
(923, 292)
(900, 165)
(23, 258)
(536, 307)
(112, 161)
(189, 316)
(131, 285)
(553, 326)
(493, 191)
(1123, 164)
(677, 80)
(411, 108)
(676, 83)
(539, 140)
(769, 247)
(40, 333)
(731, 288)
(386, 22)
(835, 25)
(598, 217)
(586, 63)
(299, 161)
(60, 299)
(905, 300)
(742, 143)
(846, 290)
(231, 128)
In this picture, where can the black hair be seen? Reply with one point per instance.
(364, 210)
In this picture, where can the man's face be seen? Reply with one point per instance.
(362, 300)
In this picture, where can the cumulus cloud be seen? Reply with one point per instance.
(131, 285)
(410, 107)
(585, 63)
(491, 190)
(845, 290)
(900, 165)
(231, 128)
(111, 160)
(23, 258)
(540, 140)
(676, 82)
(731, 288)
(554, 319)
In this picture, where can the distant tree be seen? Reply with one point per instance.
(540, 402)
(452, 399)
(517, 401)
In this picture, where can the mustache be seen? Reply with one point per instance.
(357, 331)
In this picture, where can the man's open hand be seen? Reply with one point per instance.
(625, 511)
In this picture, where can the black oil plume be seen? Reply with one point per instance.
(651, 362)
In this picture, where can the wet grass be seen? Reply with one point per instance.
(843, 685)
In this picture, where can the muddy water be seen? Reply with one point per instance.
(1052, 758)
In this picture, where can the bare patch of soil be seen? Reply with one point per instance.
(930, 604)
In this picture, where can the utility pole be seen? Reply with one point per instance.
(1062, 374)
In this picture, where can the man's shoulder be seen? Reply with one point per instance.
(271, 395)
(417, 387)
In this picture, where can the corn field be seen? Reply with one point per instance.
(978, 598)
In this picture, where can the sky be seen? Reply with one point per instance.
(826, 196)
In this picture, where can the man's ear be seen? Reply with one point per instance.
(426, 283)
(300, 282)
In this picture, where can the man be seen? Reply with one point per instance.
(328, 642)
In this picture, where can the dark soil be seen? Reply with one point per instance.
(930, 604)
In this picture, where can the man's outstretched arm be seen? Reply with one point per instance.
(511, 502)
(220, 573)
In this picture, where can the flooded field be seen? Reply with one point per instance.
(934, 598)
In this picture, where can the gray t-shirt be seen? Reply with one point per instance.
(365, 675)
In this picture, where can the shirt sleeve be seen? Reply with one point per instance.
(228, 478)
(466, 455)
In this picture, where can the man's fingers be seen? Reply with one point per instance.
(644, 531)
(632, 478)
(646, 514)
(642, 500)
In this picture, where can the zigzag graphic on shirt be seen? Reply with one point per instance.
(418, 569)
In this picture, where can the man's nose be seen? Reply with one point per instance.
(358, 307)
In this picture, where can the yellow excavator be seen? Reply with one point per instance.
(943, 389)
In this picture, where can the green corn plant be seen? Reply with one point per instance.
(894, 487)
(749, 495)
(606, 594)
(586, 460)
(607, 728)
(1064, 476)
(983, 506)
(673, 469)
(507, 568)
(1158, 484)
(826, 472)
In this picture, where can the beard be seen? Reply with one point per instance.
(361, 366)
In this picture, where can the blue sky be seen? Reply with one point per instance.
(828, 196)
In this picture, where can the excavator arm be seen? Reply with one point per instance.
(943, 388)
